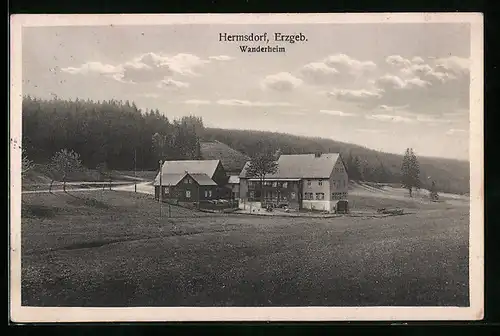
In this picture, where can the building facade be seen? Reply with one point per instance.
(192, 181)
(305, 181)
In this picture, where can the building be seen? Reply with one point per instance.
(302, 181)
(192, 181)
(233, 184)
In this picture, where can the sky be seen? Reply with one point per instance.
(382, 86)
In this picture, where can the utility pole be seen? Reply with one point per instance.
(161, 191)
(135, 168)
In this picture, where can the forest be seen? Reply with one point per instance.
(122, 136)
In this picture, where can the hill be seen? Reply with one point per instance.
(232, 160)
(450, 175)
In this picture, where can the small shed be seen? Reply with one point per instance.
(342, 207)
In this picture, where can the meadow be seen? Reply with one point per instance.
(111, 248)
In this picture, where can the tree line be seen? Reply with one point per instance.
(114, 133)
(117, 135)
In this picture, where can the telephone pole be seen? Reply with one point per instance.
(135, 168)
(161, 191)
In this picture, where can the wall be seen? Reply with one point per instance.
(243, 189)
(316, 188)
(318, 205)
(339, 180)
(220, 177)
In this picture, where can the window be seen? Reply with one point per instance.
(210, 193)
(308, 182)
(186, 180)
(320, 182)
(206, 193)
(292, 195)
(285, 185)
(275, 184)
(252, 194)
(320, 196)
(188, 193)
(308, 196)
(166, 190)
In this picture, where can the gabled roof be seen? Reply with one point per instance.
(203, 179)
(168, 180)
(302, 166)
(190, 166)
(233, 179)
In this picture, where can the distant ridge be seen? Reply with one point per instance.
(231, 159)
(450, 175)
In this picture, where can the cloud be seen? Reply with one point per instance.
(337, 113)
(283, 81)
(92, 68)
(343, 62)
(354, 95)
(391, 118)
(453, 64)
(454, 131)
(392, 82)
(398, 61)
(221, 58)
(247, 103)
(145, 68)
(149, 95)
(318, 73)
(172, 84)
(197, 102)
(336, 68)
(425, 86)
(384, 107)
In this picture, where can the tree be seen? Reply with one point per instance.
(260, 166)
(64, 163)
(410, 171)
(353, 166)
(160, 143)
(26, 163)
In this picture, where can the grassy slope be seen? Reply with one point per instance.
(451, 175)
(35, 176)
(232, 160)
(111, 249)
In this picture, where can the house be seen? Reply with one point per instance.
(191, 181)
(302, 181)
(233, 184)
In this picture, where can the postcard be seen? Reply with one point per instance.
(246, 167)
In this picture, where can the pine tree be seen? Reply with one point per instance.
(410, 171)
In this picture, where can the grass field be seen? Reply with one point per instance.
(111, 249)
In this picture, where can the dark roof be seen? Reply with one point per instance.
(302, 166)
(168, 179)
(174, 179)
(190, 166)
(203, 179)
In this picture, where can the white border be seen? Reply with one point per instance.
(149, 314)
